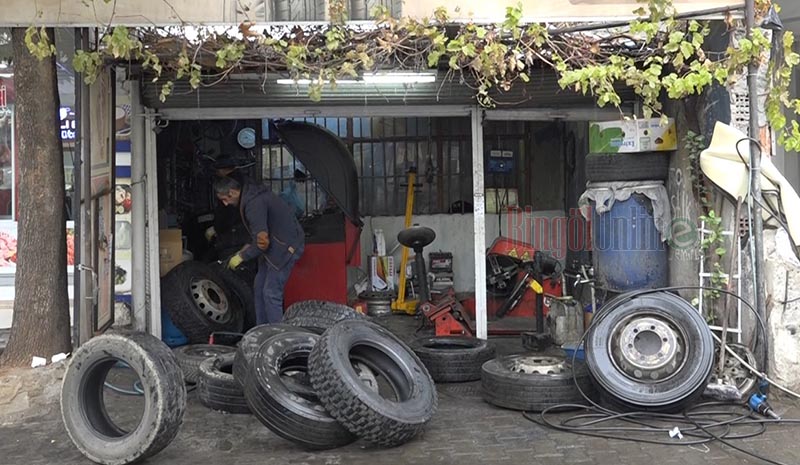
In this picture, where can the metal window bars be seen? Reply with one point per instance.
(705, 275)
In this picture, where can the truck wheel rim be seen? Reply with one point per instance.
(211, 300)
(536, 365)
(734, 373)
(647, 348)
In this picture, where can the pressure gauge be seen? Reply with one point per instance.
(247, 138)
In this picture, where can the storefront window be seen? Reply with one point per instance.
(7, 147)
(9, 150)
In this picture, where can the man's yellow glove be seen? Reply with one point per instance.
(235, 261)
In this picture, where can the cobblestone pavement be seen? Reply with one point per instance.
(465, 430)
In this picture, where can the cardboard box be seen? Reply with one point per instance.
(170, 249)
(631, 136)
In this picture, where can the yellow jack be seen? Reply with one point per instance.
(401, 304)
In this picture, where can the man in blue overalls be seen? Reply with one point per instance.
(277, 242)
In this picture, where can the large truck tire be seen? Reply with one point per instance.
(650, 351)
(534, 382)
(216, 388)
(608, 167)
(452, 359)
(319, 315)
(84, 412)
(241, 290)
(298, 418)
(197, 302)
(190, 357)
(250, 343)
(386, 418)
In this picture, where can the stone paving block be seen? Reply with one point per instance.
(465, 431)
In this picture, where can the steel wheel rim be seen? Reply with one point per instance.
(211, 300)
(648, 348)
(535, 365)
(734, 373)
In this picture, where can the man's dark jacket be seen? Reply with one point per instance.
(275, 232)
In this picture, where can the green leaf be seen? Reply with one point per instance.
(194, 77)
(348, 69)
(720, 251)
(453, 62)
(38, 43)
(687, 49)
(315, 91)
(468, 50)
(433, 59)
(166, 90)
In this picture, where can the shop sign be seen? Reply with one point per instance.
(66, 118)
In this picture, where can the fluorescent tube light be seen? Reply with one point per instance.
(399, 78)
(305, 82)
(376, 78)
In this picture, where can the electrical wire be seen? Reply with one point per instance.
(750, 199)
(124, 392)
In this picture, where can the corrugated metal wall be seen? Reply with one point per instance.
(254, 90)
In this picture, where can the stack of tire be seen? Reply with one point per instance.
(201, 299)
(520, 382)
(327, 376)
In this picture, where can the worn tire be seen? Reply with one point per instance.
(678, 382)
(242, 291)
(297, 418)
(178, 291)
(251, 342)
(319, 315)
(506, 385)
(216, 388)
(190, 357)
(648, 166)
(453, 359)
(83, 410)
(367, 413)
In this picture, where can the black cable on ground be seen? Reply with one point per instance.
(736, 422)
(733, 424)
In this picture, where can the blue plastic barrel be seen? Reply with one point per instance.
(627, 248)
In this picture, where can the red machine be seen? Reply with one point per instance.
(321, 273)
(513, 306)
(503, 273)
(332, 237)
